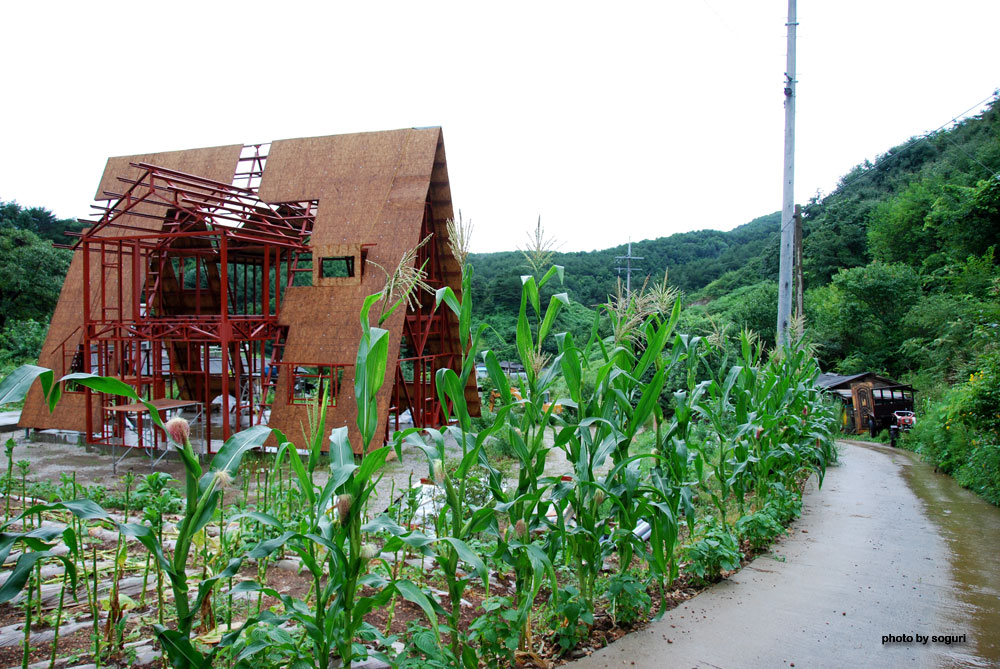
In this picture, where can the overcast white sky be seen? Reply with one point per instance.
(610, 120)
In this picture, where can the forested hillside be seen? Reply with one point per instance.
(901, 274)
(694, 259)
(743, 256)
(902, 277)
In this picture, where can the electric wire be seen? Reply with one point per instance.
(883, 161)
(971, 157)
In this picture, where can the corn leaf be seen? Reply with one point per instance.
(22, 569)
(373, 354)
(302, 477)
(555, 302)
(179, 649)
(231, 454)
(412, 593)
(465, 554)
(15, 385)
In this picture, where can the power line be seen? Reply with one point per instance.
(971, 157)
(882, 163)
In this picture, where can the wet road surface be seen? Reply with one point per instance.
(887, 548)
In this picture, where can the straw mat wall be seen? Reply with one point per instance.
(371, 189)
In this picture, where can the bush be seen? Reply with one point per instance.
(939, 437)
(979, 401)
(496, 631)
(784, 505)
(982, 472)
(960, 433)
(477, 486)
(497, 445)
(627, 598)
(760, 528)
(715, 551)
(571, 618)
(21, 342)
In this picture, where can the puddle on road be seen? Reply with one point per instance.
(971, 527)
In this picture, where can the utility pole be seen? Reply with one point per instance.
(788, 189)
(628, 258)
(799, 280)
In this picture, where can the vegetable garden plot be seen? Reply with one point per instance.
(661, 496)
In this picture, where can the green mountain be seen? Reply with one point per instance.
(693, 260)
(898, 208)
(921, 218)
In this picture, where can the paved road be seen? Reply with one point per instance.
(887, 547)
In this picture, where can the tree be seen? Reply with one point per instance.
(862, 317)
(31, 276)
(40, 221)
(897, 230)
(751, 308)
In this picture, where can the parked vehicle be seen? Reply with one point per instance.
(904, 420)
(883, 404)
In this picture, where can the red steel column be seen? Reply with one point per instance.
(86, 336)
(224, 332)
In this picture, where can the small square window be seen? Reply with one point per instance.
(308, 381)
(75, 366)
(336, 267)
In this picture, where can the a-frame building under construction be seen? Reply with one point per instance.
(234, 275)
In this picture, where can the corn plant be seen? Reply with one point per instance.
(635, 401)
(767, 427)
(328, 541)
(9, 480)
(526, 422)
(38, 546)
(800, 436)
(729, 401)
(455, 523)
(769, 420)
(328, 537)
(458, 520)
(157, 503)
(670, 476)
(202, 492)
(629, 371)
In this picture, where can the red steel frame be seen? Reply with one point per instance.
(426, 336)
(146, 326)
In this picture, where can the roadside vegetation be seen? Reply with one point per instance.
(909, 245)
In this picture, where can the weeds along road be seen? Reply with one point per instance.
(886, 550)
